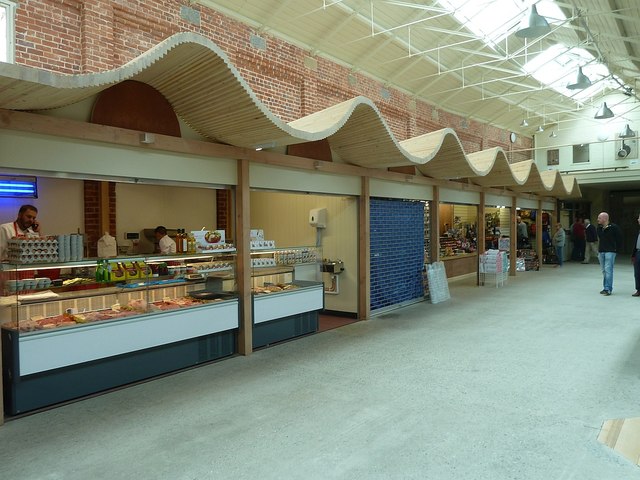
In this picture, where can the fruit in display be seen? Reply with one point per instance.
(213, 237)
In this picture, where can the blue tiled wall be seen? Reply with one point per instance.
(397, 251)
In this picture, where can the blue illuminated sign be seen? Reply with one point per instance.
(18, 186)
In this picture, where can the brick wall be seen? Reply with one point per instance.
(80, 36)
(397, 251)
(92, 212)
(223, 213)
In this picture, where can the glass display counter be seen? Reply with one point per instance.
(76, 328)
(287, 297)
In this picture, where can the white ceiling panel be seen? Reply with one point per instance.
(421, 48)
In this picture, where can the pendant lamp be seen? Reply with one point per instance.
(603, 112)
(524, 123)
(533, 25)
(580, 82)
(627, 132)
(540, 129)
(553, 134)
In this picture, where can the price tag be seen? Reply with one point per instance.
(37, 318)
(115, 307)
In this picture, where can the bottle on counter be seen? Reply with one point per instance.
(191, 243)
(100, 271)
(179, 242)
(107, 271)
(185, 246)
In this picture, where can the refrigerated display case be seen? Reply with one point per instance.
(285, 306)
(76, 328)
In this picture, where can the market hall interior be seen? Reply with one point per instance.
(495, 383)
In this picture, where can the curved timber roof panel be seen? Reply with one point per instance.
(208, 93)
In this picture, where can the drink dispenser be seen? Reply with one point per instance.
(330, 271)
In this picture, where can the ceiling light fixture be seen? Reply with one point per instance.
(540, 129)
(553, 134)
(524, 123)
(627, 132)
(533, 25)
(580, 82)
(603, 112)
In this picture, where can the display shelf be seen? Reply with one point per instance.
(290, 255)
(451, 247)
(81, 276)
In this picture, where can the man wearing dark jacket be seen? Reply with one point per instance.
(610, 243)
(591, 237)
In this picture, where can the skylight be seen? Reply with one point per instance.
(557, 66)
(494, 20)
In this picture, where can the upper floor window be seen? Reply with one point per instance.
(7, 21)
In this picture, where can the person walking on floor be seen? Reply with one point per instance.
(610, 242)
(522, 233)
(635, 258)
(578, 239)
(591, 237)
(559, 238)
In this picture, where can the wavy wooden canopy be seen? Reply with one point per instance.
(209, 94)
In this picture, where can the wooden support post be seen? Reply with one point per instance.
(364, 251)
(435, 225)
(480, 234)
(243, 259)
(513, 244)
(539, 232)
(104, 223)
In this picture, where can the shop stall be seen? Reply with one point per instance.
(458, 247)
(497, 227)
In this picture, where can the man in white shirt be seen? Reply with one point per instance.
(23, 226)
(165, 242)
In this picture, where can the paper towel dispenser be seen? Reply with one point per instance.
(318, 217)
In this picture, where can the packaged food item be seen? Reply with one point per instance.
(144, 271)
(107, 246)
(131, 271)
(117, 273)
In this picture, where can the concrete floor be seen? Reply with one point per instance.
(506, 383)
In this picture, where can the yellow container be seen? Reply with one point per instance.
(131, 272)
(117, 273)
